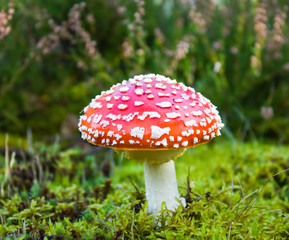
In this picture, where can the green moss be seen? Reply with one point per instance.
(230, 192)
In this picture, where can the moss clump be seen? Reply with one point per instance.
(230, 192)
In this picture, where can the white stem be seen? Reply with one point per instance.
(161, 185)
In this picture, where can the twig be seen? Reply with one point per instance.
(229, 237)
(6, 158)
(231, 193)
(259, 191)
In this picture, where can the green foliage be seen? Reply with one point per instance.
(232, 191)
(60, 54)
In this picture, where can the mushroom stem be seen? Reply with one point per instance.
(161, 185)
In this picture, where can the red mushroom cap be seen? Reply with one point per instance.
(150, 112)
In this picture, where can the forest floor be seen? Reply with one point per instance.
(234, 190)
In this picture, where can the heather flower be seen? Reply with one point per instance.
(5, 19)
(217, 67)
(286, 66)
(198, 19)
(234, 50)
(69, 30)
(267, 112)
(127, 49)
(217, 45)
(182, 49)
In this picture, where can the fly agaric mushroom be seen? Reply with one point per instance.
(151, 119)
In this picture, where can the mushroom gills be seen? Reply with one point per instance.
(153, 156)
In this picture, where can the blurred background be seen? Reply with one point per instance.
(57, 55)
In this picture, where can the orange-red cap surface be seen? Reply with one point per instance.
(150, 112)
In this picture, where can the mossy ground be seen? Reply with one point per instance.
(92, 193)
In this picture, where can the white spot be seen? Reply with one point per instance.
(150, 114)
(110, 91)
(163, 94)
(171, 138)
(89, 119)
(95, 105)
(164, 104)
(113, 117)
(221, 125)
(147, 80)
(213, 135)
(198, 131)
(160, 86)
(150, 96)
(196, 140)
(96, 135)
(132, 81)
(109, 105)
(191, 123)
(122, 106)
(209, 120)
(83, 128)
(164, 142)
(114, 142)
(116, 97)
(173, 115)
(179, 138)
(138, 103)
(108, 98)
(119, 126)
(137, 132)
(185, 143)
(148, 91)
(185, 96)
(132, 142)
(174, 92)
(176, 145)
(197, 113)
(124, 89)
(83, 117)
(187, 114)
(203, 122)
(177, 107)
(207, 137)
(178, 100)
(186, 133)
(117, 136)
(96, 118)
(110, 133)
(138, 91)
(149, 85)
(139, 84)
(138, 77)
(193, 103)
(157, 132)
(125, 98)
(104, 123)
(130, 116)
(204, 132)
